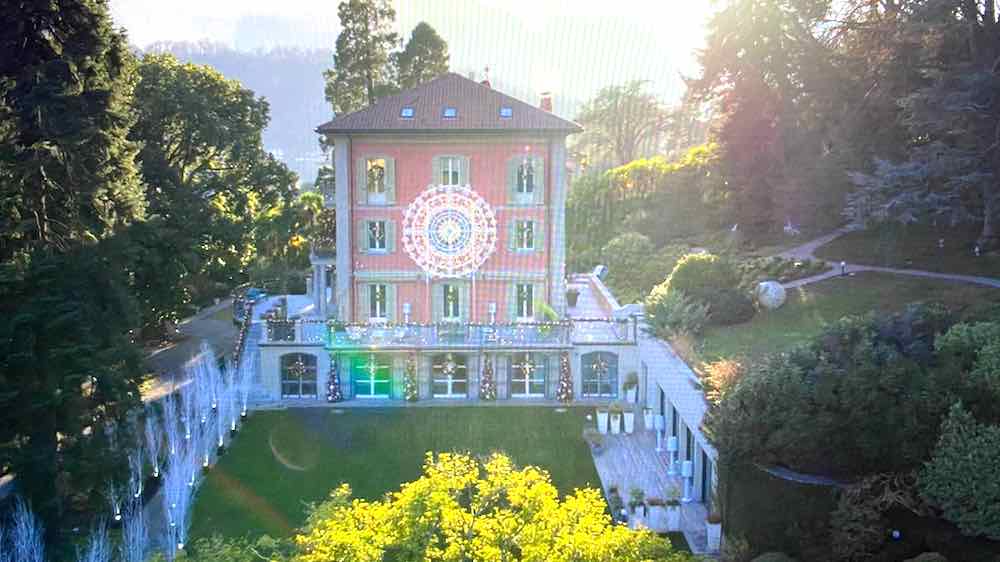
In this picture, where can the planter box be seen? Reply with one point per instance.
(713, 532)
(632, 395)
(616, 423)
(673, 518)
(629, 422)
(647, 419)
(602, 421)
(657, 519)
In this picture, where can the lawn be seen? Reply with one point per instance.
(914, 247)
(282, 459)
(809, 308)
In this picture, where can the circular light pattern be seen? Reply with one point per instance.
(449, 231)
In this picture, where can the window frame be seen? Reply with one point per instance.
(309, 379)
(508, 110)
(377, 304)
(525, 171)
(518, 378)
(406, 109)
(524, 231)
(524, 290)
(451, 168)
(590, 380)
(377, 230)
(452, 311)
(381, 193)
(449, 109)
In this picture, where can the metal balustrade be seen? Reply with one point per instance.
(581, 331)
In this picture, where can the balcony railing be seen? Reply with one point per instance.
(583, 331)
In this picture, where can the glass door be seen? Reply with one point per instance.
(372, 376)
(450, 375)
(527, 375)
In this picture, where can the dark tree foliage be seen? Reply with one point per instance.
(424, 57)
(361, 69)
(69, 372)
(67, 171)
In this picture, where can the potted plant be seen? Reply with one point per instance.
(631, 387)
(647, 418)
(657, 518)
(629, 416)
(602, 419)
(673, 505)
(595, 439)
(615, 412)
(572, 295)
(636, 498)
(713, 525)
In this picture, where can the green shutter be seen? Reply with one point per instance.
(512, 301)
(538, 197)
(390, 180)
(390, 236)
(512, 235)
(362, 237)
(361, 181)
(436, 171)
(390, 302)
(512, 181)
(364, 302)
(463, 170)
(538, 295)
(538, 235)
(465, 302)
(437, 302)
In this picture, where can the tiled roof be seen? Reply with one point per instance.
(478, 109)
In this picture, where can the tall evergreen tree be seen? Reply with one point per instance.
(424, 57)
(361, 67)
(65, 84)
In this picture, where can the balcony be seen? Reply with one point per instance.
(526, 335)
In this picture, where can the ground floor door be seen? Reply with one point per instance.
(371, 375)
(527, 375)
(450, 375)
(298, 375)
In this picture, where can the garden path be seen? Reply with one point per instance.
(631, 461)
(806, 251)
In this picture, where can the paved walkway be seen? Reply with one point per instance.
(631, 461)
(807, 250)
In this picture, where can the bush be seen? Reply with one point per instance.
(626, 255)
(961, 477)
(671, 313)
(730, 306)
(702, 276)
(773, 557)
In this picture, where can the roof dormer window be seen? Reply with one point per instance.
(506, 112)
(406, 113)
(449, 113)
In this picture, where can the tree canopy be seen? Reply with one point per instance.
(361, 58)
(424, 57)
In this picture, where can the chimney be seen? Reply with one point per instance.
(486, 78)
(546, 103)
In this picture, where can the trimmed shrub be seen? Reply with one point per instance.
(730, 306)
(961, 477)
(671, 313)
(702, 276)
(626, 256)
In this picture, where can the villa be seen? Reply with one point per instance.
(449, 261)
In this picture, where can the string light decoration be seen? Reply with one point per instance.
(564, 392)
(410, 390)
(333, 392)
(487, 384)
(449, 231)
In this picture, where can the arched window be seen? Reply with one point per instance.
(600, 374)
(527, 375)
(298, 375)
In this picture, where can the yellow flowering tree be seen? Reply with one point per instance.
(463, 509)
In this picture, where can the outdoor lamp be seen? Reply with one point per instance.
(672, 451)
(687, 471)
(658, 424)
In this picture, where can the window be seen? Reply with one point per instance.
(375, 168)
(450, 375)
(688, 443)
(600, 374)
(298, 375)
(525, 301)
(526, 177)
(377, 236)
(524, 235)
(506, 112)
(377, 309)
(449, 113)
(406, 112)
(451, 302)
(527, 375)
(450, 170)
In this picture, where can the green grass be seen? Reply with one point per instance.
(282, 459)
(809, 308)
(914, 247)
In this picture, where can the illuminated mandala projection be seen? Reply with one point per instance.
(449, 231)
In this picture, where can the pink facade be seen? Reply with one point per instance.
(488, 160)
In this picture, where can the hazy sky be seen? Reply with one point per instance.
(570, 47)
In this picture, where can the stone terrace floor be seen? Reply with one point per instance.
(632, 461)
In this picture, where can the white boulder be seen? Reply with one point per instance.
(770, 294)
